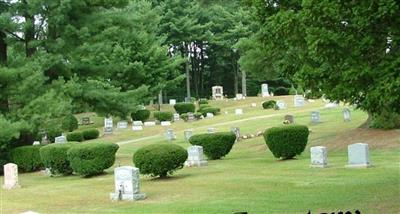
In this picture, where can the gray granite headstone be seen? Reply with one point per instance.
(281, 104)
(60, 139)
(346, 115)
(86, 121)
(127, 183)
(149, 123)
(195, 156)
(319, 156)
(137, 123)
(122, 125)
(298, 101)
(358, 155)
(10, 176)
(176, 117)
(315, 117)
(190, 116)
(165, 123)
(108, 125)
(170, 135)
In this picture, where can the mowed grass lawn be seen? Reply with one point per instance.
(248, 179)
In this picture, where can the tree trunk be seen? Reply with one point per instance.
(160, 101)
(367, 123)
(244, 85)
(3, 48)
(235, 79)
(29, 31)
(187, 79)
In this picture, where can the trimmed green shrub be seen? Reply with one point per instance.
(163, 116)
(287, 141)
(203, 106)
(182, 108)
(142, 115)
(215, 145)
(54, 156)
(27, 158)
(203, 101)
(197, 115)
(69, 123)
(92, 158)
(269, 104)
(185, 117)
(281, 91)
(160, 159)
(213, 110)
(90, 134)
(75, 136)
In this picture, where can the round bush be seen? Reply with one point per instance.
(213, 110)
(27, 158)
(281, 91)
(160, 159)
(203, 101)
(92, 158)
(203, 106)
(90, 134)
(142, 115)
(69, 123)
(215, 145)
(182, 108)
(75, 136)
(163, 116)
(54, 157)
(287, 141)
(269, 104)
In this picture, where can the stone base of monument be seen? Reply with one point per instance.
(191, 163)
(318, 165)
(127, 197)
(358, 166)
(11, 187)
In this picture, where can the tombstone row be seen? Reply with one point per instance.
(316, 117)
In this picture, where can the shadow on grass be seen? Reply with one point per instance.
(169, 178)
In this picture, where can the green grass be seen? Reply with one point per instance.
(248, 179)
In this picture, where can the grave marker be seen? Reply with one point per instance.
(264, 90)
(137, 123)
(127, 184)
(172, 102)
(217, 92)
(60, 139)
(188, 133)
(149, 123)
(289, 118)
(319, 156)
(236, 131)
(190, 116)
(281, 104)
(238, 111)
(176, 117)
(210, 115)
(170, 134)
(358, 155)
(346, 114)
(315, 117)
(35, 143)
(108, 125)
(122, 125)
(10, 176)
(211, 130)
(137, 128)
(298, 101)
(165, 123)
(239, 97)
(195, 157)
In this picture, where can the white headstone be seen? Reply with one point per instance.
(170, 135)
(10, 176)
(122, 125)
(60, 139)
(264, 90)
(137, 128)
(195, 157)
(346, 114)
(127, 184)
(239, 97)
(358, 154)
(253, 104)
(137, 123)
(315, 118)
(319, 156)
(165, 123)
(35, 143)
(281, 104)
(211, 130)
(188, 133)
(190, 116)
(172, 102)
(108, 125)
(149, 123)
(298, 101)
(331, 105)
(176, 117)
(210, 115)
(217, 92)
(238, 111)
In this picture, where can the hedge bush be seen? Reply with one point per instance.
(69, 123)
(215, 145)
(90, 134)
(182, 108)
(163, 116)
(287, 141)
(54, 156)
(269, 104)
(92, 158)
(75, 136)
(203, 101)
(142, 115)
(281, 91)
(160, 159)
(203, 106)
(27, 158)
(213, 110)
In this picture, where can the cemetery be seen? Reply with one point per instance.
(199, 107)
